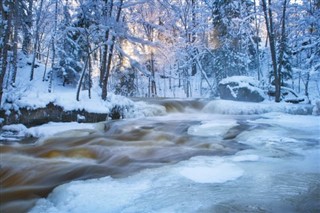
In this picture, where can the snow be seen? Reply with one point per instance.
(69, 198)
(121, 195)
(210, 171)
(14, 128)
(246, 108)
(52, 128)
(242, 158)
(279, 167)
(212, 128)
(279, 152)
(49, 129)
(311, 123)
(282, 163)
(13, 132)
(34, 94)
(210, 113)
(242, 80)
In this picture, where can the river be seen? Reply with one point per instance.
(187, 160)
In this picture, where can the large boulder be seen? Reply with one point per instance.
(287, 94)
(240, 88)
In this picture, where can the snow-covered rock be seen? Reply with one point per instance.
(240, 88)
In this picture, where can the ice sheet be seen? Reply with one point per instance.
(278, 174)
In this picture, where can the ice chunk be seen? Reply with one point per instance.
(97, 195)
(15, 128)
(242, 158)
(212, 174)
(53, 128)
(212, 128)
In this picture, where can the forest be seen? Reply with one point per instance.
(161, 48)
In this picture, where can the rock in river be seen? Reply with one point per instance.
(240, 88)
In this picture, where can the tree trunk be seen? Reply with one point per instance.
(257, 42)
(269, 24)
(7, 30)
(110, 55)
(15, 46)
(53, 47)
(81, 78)
(153, 82)
(46, 65)
(35, 45)
(283, 40)
(90, 77)
(103, 69)
(26, 44)
(193, 39)
(306, 86)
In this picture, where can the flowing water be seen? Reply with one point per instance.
(266, 166)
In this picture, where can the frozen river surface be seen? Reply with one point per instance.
(187, 161)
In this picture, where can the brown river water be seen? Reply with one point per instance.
(31, 169)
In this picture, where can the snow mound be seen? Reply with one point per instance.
(47, 130)
(52, 128)
(15, 128)
(242, 80)
(245, 108)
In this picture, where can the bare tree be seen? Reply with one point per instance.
(110, 55)
(107, 17)
(35, 45)
(15, 44)
(53, 43)
(27, 26)
(271, 35)
(6, 9)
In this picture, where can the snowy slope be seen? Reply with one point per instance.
(34, 94)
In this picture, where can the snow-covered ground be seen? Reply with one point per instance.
(142, 109)
(34, 94)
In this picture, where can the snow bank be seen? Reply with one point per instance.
(52, 128)
(13, 132)
(246, 108)
(15, 128)
(301, 122)
(34, 94)
(49, 129)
